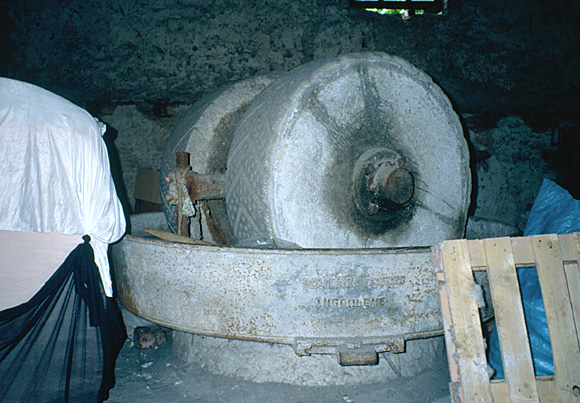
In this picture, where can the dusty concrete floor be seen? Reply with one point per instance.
(156, 375)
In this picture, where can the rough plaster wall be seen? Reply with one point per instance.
(487, 56)
(139, 139)
(511, 170)
(122, 59)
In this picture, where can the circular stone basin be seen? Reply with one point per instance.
(353, 305)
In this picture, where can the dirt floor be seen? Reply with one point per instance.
(156, 375)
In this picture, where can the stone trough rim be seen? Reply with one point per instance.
(128, 301)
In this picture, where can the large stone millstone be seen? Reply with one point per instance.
(206, 131)
(359, 150)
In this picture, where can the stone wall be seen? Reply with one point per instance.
(486, 55)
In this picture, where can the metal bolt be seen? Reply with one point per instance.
(382, 187)
(399, 186)
(171, 198)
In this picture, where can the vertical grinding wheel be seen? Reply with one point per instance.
(206, 131)
(358, 150)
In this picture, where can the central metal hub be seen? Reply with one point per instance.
(382, 186)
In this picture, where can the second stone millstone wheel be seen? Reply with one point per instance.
(206, 131)
(354, 151)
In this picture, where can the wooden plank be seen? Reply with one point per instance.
(466, 322)
(523, 252)
(448, 329)
(436, 254)
(570, 249)
(546, 390)
(521, 249)
(565, 349)
(477, 255)
(171, 237)
(509, 315)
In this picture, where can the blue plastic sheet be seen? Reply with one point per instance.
(554, 211)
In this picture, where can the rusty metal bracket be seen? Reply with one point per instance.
(186, 188)
(179, 193)
(365, 355)
(356, 351)
(359, 351)
(309, 346)
(205, 187)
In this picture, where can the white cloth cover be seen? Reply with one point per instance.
(55, 173)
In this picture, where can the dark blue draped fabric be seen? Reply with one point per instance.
(62, 344)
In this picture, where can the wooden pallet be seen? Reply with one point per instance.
(556, 258)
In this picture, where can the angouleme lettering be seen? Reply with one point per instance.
(362, 302)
